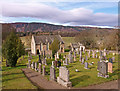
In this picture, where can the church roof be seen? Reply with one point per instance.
(47, 38)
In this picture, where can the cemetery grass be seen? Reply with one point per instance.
(14, 78)
(84, 77)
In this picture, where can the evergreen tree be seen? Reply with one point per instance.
(12, 49)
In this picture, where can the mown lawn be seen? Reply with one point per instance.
(14, 78)
(84, 77)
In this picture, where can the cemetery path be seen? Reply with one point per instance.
(40, 81)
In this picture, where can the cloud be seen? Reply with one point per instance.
(77, 16)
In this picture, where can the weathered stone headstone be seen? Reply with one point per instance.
(43, 73)
(93, 54)
(35, 66)
(110, 67)
(104, 53)
(29, 63)
(63, 78)
(40, 68)
(89, 53)
(66, 61)
(103, 69)
(86, 65)
(70, 57)
(52, 74)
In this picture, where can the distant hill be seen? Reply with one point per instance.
(44, 27)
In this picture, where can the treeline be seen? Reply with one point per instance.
(99, 39)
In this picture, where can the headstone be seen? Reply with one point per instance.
(52, 74)
(113, 58)
(70, 57)
(39, 61)
(103, 69)
(86, 58)
(43, 73)
(29, 63)
(89, 54)
(63, 78)
(66, 61)
(101, 54)
(93, 54)
(110, 60)
(35, 66)
(55, 63)
(104, 53)
(82, 61)
(80, 56)
(74, 56)
(86, 65)
(96, 56)
(57, 55)
(110, 67)
(59, 63)
(40, 68)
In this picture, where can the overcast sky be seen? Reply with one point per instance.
(65, 13)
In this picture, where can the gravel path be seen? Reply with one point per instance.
(41, 82)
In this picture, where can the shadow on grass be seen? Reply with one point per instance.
(91, 67)
(116, 72)
(11, 74)
(77, 80)
(14, 78)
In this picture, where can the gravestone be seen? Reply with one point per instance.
(55, 63)
(80, 56)
(40, 68)
(43, 73)
(35, 66)
(59, 63)
(96, 56)
(86, 65)
(52, 74)
(70, 57)
(113, 58)
(101, 54)
(57, 55)
(93, 54)
(103, 69)
(86, 58)
(29, 63)
(39, 61)
(89, 53)
(104, 53)
(110, 67)
(74, 56)
(82, 61)
(66, 61)
(110, 60)
(63, 78)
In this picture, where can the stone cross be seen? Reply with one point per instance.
(40, 68)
